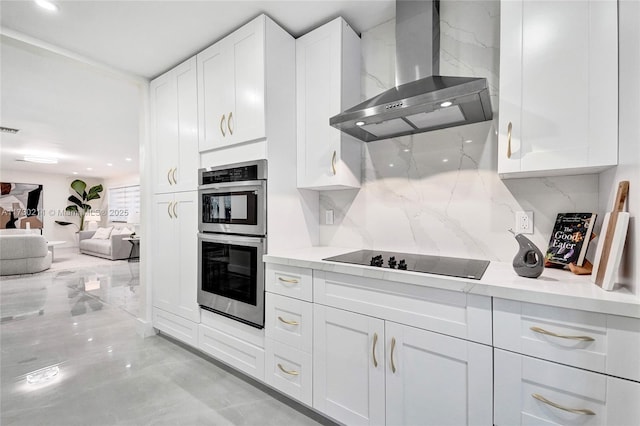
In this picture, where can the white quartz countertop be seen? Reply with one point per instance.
(554, 287)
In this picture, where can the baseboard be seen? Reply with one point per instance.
(145, 328)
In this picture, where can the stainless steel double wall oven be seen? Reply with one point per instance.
(232, 240)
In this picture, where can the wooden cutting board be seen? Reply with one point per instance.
(611, 243)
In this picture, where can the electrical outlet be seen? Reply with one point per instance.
(524, 222)
(328, 217)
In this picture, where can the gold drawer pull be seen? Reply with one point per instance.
(173, 175)
(169, 209)
(549, 333)
(288, 281)
(560, 407)
(509, 127)
(289, 372)
(169, 176)
(333, 162)
(375, 342)
(288, 322)
(229, 123)
(221, 126)
(175, 214)
(393, 346)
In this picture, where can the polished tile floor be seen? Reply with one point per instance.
(77, 327)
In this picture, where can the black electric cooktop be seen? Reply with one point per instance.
(438, 265)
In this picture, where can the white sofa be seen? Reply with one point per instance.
(23, 254)
(113, 247)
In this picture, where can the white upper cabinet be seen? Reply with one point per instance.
(174, 129)
(231, 88)
(327, 82)
(558, 87)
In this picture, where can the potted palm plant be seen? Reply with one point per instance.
(81, 205)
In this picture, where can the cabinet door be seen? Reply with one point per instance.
(186, 174)
(186, 238)
(433, 379)
(327, 82)
(164, 271)
(563, 114)
(164, 130)
(245, 117)
(348, 366)
(215, 95)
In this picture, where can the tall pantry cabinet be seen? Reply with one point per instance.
(173, 236)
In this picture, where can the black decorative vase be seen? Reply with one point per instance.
(529, 261)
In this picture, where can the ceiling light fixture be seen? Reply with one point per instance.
(446, 104)
(46, 4)
(89, 168)
(41, 160)
(109, 164)
(359, 123)
(127, 159)
(75, 173)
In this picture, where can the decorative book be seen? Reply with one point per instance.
(570, 238)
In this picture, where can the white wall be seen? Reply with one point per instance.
(55, 192)
(413, 201)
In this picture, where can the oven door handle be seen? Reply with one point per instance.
(227, 185)
(231, 239)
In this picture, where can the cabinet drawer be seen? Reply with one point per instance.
(289, 321)
(175, 326)
(533, 391)
(289, 370)
(455, 313)
(238, 353)
(597, 342)
(289, 281)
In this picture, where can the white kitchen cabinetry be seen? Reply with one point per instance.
(370, 371)
(327, 82)
(174, 129)
(564, 366)
(231, 88)
(558, 87)
(384, 352)
(289, 331)
(174, 272)
(533, 391)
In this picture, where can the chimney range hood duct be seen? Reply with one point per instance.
(422, 101)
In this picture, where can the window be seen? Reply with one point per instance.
(123, 201)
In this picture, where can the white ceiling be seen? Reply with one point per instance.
(86, 113)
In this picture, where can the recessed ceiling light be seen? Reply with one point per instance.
(46, 4)
(445, 160)
(468, 141)
(391, 165)
(109, 164)
(406, 150)
(75, 173)
(127, 159)
(89, 168)
(41, 160)
(359, 123)
(446, 104)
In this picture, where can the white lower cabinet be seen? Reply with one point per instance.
(533, 391)
(371, 371)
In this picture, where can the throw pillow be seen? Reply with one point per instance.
(122, 231)
(102, 233)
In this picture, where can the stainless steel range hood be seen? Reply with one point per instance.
(422, 101)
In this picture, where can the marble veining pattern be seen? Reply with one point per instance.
(439, 192)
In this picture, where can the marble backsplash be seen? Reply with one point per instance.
(439, 192)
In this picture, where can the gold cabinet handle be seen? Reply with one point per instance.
(169, 176)
(509, 128)
(175, 214)
(393, 346)
(289, 372)
(173, 175)
(222, 127)
(288, 322)
(229, 123)
(288, 281)
(562, 336)
(169, 209)
(333, 162)
(373, 350)
(584, 411)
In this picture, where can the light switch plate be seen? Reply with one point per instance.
(328, 217)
